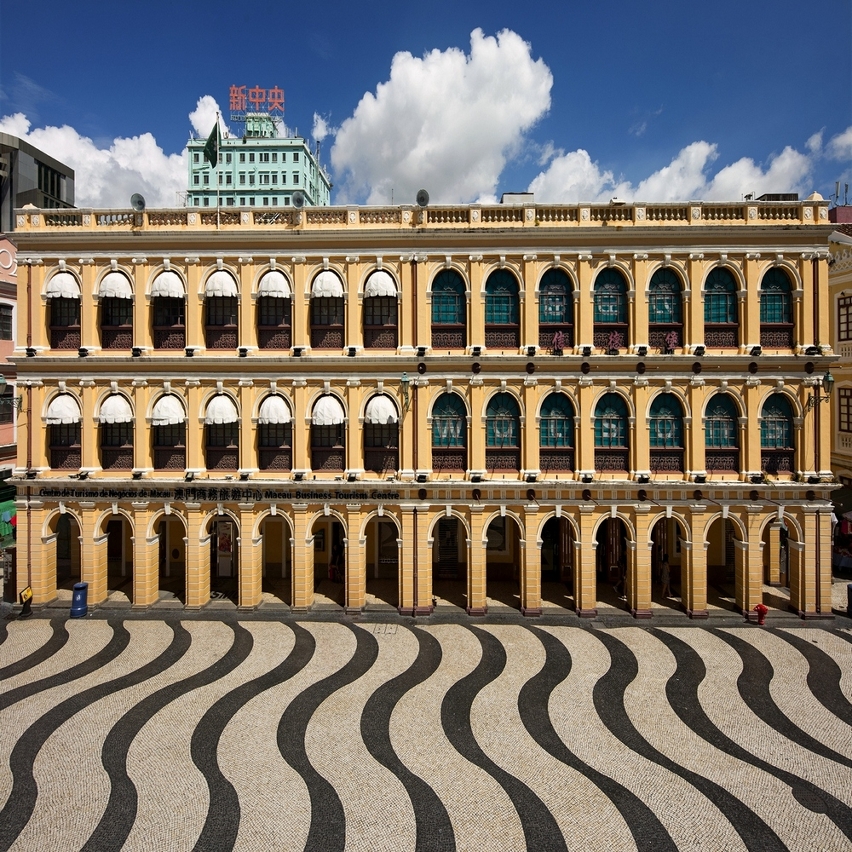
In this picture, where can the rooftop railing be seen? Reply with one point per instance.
(439, 217)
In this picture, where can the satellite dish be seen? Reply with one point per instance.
(298, 199)
(137, 202)
(422, 198)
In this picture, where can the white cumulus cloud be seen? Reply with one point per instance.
(447, 122)
(840, 146)
(203, 117)
(107, 177)
(574, 177)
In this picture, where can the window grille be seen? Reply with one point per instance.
(557, 422)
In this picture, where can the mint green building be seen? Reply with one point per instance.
(259, 169)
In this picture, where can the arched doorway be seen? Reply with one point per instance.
(171, 533)
(329, 562)
(224, 559)
(382, 564)
(67, 552)
(722, 565)
(611, 564)
(776, 538)
(276, 584)
(119, 545)
(502, 563)
(667, 563)
(557, 563)
(449, 563)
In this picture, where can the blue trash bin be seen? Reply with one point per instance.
(79, 600)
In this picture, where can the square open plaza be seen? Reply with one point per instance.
(422, 404)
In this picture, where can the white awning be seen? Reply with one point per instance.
(221, 283)
(63, 409)
(63, 285)
(274, 284)
(116, 409)
(221, 410)
(168, 411)
(168, 284)
(115, 285)
(380, 409)
(380, 283)
(274, 410)
(327, 411)
(327, 284)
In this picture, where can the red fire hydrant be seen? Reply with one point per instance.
(761, 610)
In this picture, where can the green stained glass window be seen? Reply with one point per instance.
(611, 422)
(557, 421)
(448, 299)
(449, 421)
(502, 421)
(776, 423)
(610, 297)
(665, 304)
(666, 422)
(501, 298)
(775, 299)
(720, 297)
(555, 305)
(721, 430)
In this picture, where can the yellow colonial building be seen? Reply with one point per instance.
(419, 405)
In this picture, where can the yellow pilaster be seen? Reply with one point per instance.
(749, 574)
(89, 331)
(356, 560)
(771, 554)
(530, 562)
(247, 394)
(694, 307)
(194, 306)
(251, 559)
(247, 335)
(89, 455)
(194, 427)
(93, 554)
(354, 331)
(355, 395)
(142, 332)
(585, 575)
(142, 434)
(639, 592)
(530, 270)
(639, 305)
(476, 330)
(303, 560)
(530, 429)
(408, 555)
(584, 334)
(39, 571)
(810, 565)
(476, 592)
(300, 306)
(197, 558)
(476, 429)
(146, 554)
(693, 579)
(750, 446)
(751, 303)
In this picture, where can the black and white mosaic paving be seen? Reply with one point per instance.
(137, 734)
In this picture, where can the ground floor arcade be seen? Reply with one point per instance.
(413, 551)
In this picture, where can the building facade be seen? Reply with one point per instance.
(840, 277)
(459, 402)
(258, 169)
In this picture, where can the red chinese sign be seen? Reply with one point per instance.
(257, 99)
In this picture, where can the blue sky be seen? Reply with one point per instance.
(577, 100)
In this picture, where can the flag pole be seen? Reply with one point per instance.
(216, 170)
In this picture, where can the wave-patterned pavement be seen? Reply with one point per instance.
(261, 735)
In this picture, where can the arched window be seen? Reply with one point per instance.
(502, 433)
(328, 434)
(63, 421)
(381, 435)
(555, 311)
(222, 434)
(449, 311)
(666, 431)
(721, 323)
(273, 311)
(449, 433)
(776, 310)
(502, 311)
(116, 302)
(116, 433)
(722, 434)
(380, 311)
(610, 313)
(168, 421)
(327, 311)
(274, 434)
(168, 301)
(63, 295)
(665, 311)
(777, 449)
(612, 436)
(556, 433)
(220, 310)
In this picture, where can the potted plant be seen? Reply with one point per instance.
(558, 343)
(671, 342)
(613, 344)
